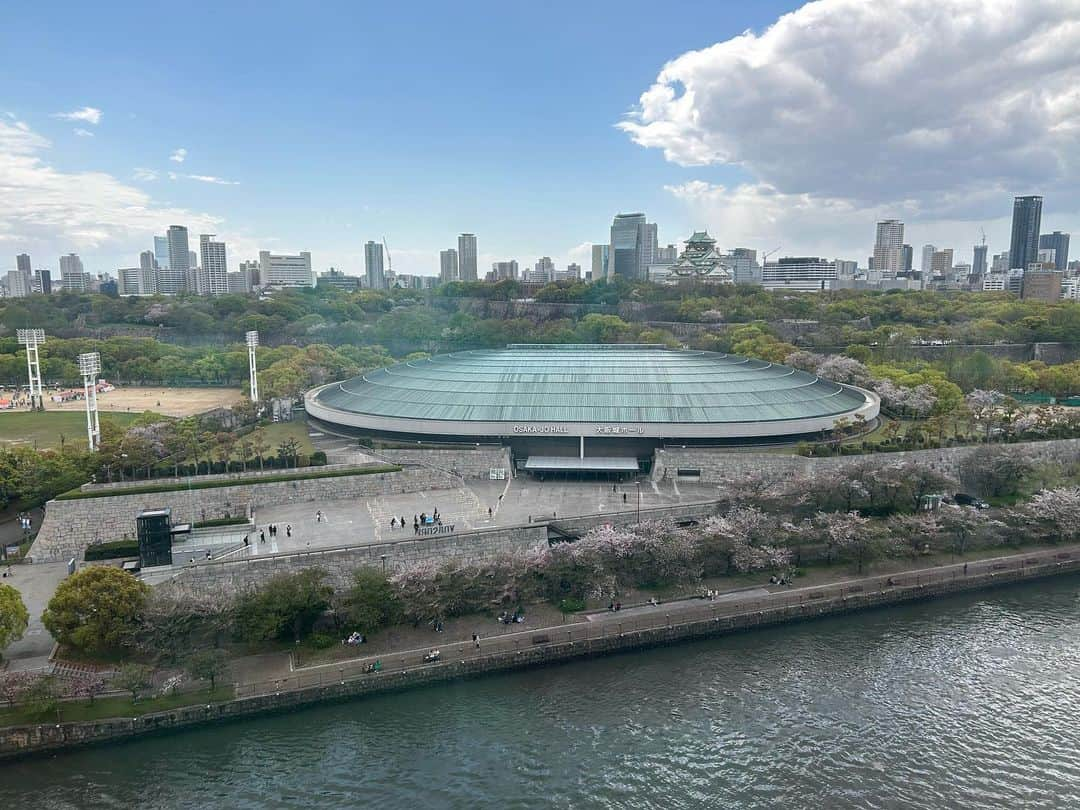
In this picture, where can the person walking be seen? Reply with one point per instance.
(262, 536)
(476, 640)
(288, 530)
(393, 523)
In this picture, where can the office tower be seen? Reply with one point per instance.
(543, 271)
(147, 260)
(130, 280)
(22, 264)
(1042, 285)
(43, 281)
(927, 254)
(626, 247)
(907, 259)
(941, 263)
(1026, 220)
(466, 248)
(1059, 243)
(799, 273)
(173, 278)
(284, 270)
(504, 270)
(744, 266)
(373, 266)
(161, 252)
(448, 265)
(193, 259)
(338, 280)
(978, 262)
(888, 246)
(649, 245)
(250, 272)
(215, 268)
(73, 278)
(599, 261)
(666, 255)
(18, 286)
(845, 267)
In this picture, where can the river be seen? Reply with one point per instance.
(969, 702)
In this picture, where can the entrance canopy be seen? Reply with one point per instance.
(601, 464)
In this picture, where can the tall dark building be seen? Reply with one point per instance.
(627, 246)
(22, 264)
(1059, 243)
(978, 261)
(907, 259)
(1027, 217)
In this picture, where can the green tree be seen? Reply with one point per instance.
(42, 697)
(371, 603)
(285, 606)
(13, 616)
(207, 665)
(132, 678)
(96, 610)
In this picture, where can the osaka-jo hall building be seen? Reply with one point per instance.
(587, 408)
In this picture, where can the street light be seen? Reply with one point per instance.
(638, 501)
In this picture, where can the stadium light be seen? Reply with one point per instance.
(31, 339)
(252, 339)
(90, 367)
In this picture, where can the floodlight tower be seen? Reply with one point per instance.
(252, 342)
(90, 367)
(31, 339)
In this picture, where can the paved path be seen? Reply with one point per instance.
(633, 618)
(36, 584)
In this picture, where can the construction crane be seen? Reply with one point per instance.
(389, 261)
(983, 232)
(765, 255)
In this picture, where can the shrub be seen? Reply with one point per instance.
(571, 604)
(225, 521)
(317, 459)
(96, 610)
(112, 550)
(286, 606)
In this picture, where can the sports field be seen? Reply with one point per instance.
(51, 428)
(166, 401)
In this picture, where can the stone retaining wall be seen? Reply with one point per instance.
(240, 476)
(71, 525)
(221, 580)
(28, 740)
(717, 464)
(466, 463)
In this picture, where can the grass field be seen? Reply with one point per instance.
(166, 401)
(104, 707)
(50, 429)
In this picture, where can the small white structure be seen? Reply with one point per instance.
(90, 367)
(31, 339)
(252, 342)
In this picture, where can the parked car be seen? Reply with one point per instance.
(970, 500)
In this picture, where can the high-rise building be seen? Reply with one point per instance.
(1042, 285)
(18, 285)
(744, 266)
(173, 279)
(448, 266)
(43, 281)
(250, 272)
(941, 263)
(599, 261)
(284, 270)
(215, 267)
(73, 278)
(649, 246)
(543, 271)
(888, 246)
(147, 260)
(373, 266)
(626, 249)
(927, 254)
(798, 273)
(466, 248)
(338, 280)
(571, 273)
(500, 271)
(1026, 221)
(907, 259)
(978, 261)
(1059, 243)
(22, 264)
(161, 252)
(130, 280)
(666, 255)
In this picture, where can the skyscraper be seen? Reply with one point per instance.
(147, 260)
(161, 252)
(1026, 220)
(448, 265)
(173, 279)
(649, 246)
(466, 247)
(626, 247)
(373, 266)
(43, 282)
(285, 270)
(501, 271)
(928, 252)
(215, 268)
(978, 261)
(599, 261)
(888, 246)
(1059, 243)
(907, 259)
(22, 264)
(73, 277)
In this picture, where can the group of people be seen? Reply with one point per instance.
(710, 594)
(614, 607)
(783, 579)
(354, 640)
(517, 617)
(272, 530)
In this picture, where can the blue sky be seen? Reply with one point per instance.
(319, 126)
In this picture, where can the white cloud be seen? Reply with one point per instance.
(178, 156)
(145, 175)
(209, 178)
(83, 133)
(89, 211)
(931, 109)
(89, 115)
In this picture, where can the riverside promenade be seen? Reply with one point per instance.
(634, 627)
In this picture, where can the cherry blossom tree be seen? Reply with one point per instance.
(1056, 512)
(985, 407)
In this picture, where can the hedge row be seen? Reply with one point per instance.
(226, 521)
(113, 550)
(78, 494)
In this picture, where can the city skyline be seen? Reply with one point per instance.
(94, 169)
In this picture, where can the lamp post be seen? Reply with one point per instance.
(638, 501)
(90, 367)
(31, 339)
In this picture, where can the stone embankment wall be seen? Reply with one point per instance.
(119, 486)
(29, 740)
(223, 579)
(466, 463)
(71, 525)
(719, 465)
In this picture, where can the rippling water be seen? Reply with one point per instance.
(967, 703)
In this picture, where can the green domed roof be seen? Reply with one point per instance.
(591, 383)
